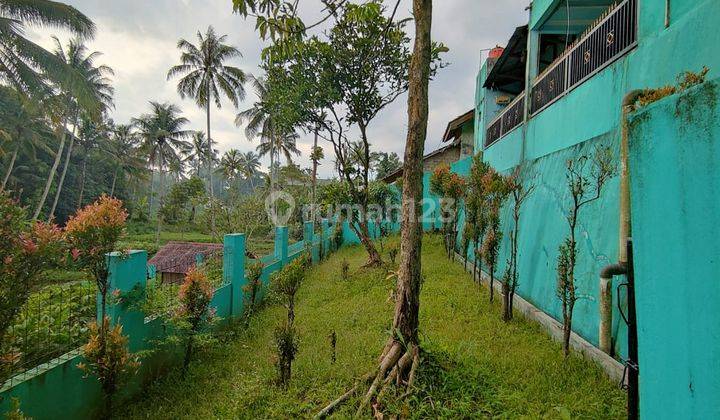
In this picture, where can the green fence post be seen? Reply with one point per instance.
(309, 239)
(234, 270)
(281, 244)
(325, 236)
(126, 272)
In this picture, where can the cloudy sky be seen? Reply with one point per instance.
(138, 40)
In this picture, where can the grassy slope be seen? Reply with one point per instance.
(477, 365)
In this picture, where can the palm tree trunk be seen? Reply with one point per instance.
(152, 190)
(53, 169)
(112, 189)
(65, 168)
(62, 179)
(82, 183)
(10, 167)
(272, 169)
(209, 147)
(160, 197)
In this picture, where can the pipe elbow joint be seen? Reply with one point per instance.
(611, 270)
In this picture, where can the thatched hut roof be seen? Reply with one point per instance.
(179, 257)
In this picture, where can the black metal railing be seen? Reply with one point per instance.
(507, 120)
(549, 87)
(611, 36)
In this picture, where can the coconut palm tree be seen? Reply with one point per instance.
(91, 135)
(231, 164)
(279, 144)
(250, 164)
(259, 120)
(24, 125)
(206, 78)
(123, 148)
(24, 64)
(163, 137)
(198, 151)
(98, 84)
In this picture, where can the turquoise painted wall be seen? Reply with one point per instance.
(675, 189)
(588, 116)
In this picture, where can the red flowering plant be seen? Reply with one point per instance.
(26, 250)
(194, 317)
(93, 233)
(108, 358)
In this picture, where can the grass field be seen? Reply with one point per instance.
(474, 364)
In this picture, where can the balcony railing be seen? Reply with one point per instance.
(507, 120)
(609, 38)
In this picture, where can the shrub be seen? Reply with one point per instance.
(285, 286)
(286, 347)
(450, 187)
(108, 358)
(253, 286)
(194, 314)
(94, 232)
(27, 249)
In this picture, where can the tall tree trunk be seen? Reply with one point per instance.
(152, 191)
(112, 188)
(53, 169)
(65, 168)
(506, 302)
(160, 198)
(82, 183)
(61, 181)
(363, 232)
(10, 167)
(314, 177)
(407, 306)
(209, 146)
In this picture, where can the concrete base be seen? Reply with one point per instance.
(612, 367)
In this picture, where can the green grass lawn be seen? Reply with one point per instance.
(474, 364)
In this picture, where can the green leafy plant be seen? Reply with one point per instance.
(195, 316)
(108, 358)
(285, 286)
(586, 176)
(337, 238)
(287, 345)
(451, 189)
(491, 248)
(253, 286)
(27, 249)
(92, 234)
(15, 412)
(519, 192)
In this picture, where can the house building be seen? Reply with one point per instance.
(556, 93)
(460, 135)
(174, 259)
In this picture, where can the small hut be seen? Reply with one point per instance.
(175, 259)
